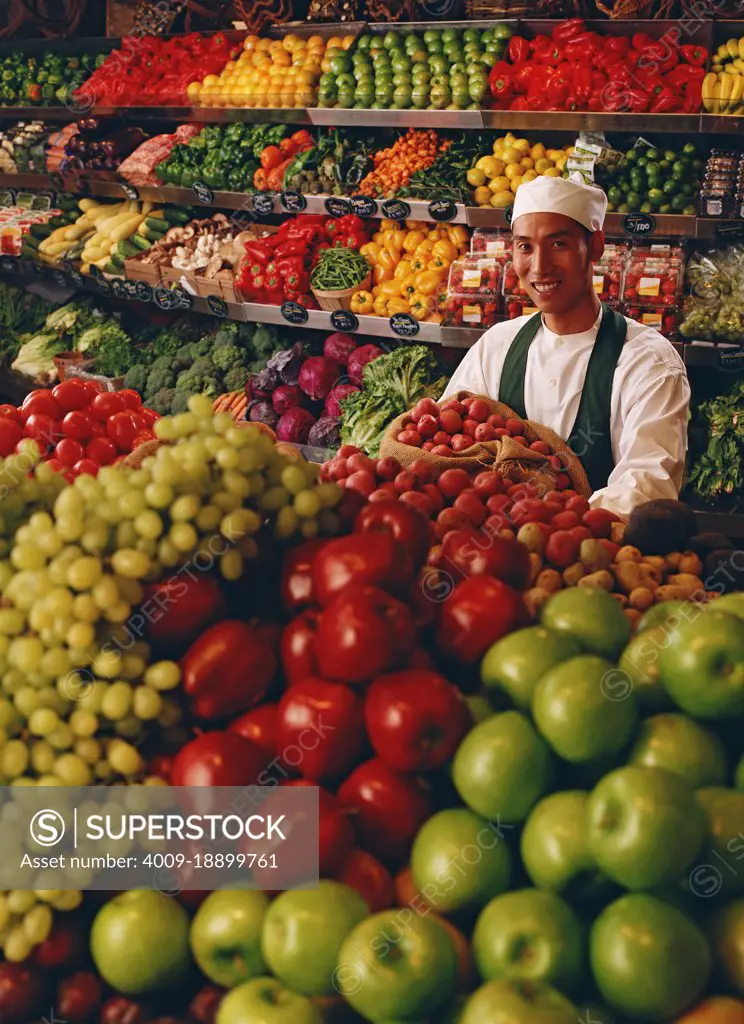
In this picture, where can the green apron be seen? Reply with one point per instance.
(590, 439)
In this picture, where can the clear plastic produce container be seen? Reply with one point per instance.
(474, 291)
(654, 277)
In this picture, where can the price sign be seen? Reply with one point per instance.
(336, 207)
(217, 305)
(142, 291)
(38, 269)
(294, 313)
(95, 272)
(130, 191)
(164, 298)
(77, 278)
(730, 360)
(396, 209)
(442, 209)
(27, 265)
(639, 225)
(182, 299)
(345, 321)
(61, 279)
(730, 232)
(363, 206)
(202, 193)
(263, 203)
(294, 202)
(404, 325)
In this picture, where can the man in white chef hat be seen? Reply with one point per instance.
(614, 390)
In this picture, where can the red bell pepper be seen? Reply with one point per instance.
(566, 30)
(692, 96)
(682, 74)
(518, 50)
(501, 81)
(521, 103)
(551, 54)
(522, 76)
(695, 55)
(580, 76)
(666, 101)
(639, 100)
(557, 92)
(540, 42)
(614, 48)
(581, 47)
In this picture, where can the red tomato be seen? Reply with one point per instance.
(143, 438)
(43, 428)
(72, 394)
(78, 424)
(131, 397)
(101, 450)
(10, 434)
(122, 428)
(40, 402)
(69, 451)
(86, 466)
(148, 415)
(106, 405)
(57, 466)
(10, 412)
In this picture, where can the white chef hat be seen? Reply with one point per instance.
(572, 197)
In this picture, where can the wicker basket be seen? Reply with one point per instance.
(340, 299)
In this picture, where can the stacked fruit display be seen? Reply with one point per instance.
(650, 180)
(515, 160)
(440, 69)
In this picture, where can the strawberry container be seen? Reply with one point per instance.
(664, 319)
(474, 291)
(654, 277)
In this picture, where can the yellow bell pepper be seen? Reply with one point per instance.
(380, 306)
(424, 249)
(387, 260)
(371, 251)
(458, 235)
(412, 240)
(435, 234)
(397, 306)
(390, 289)
(377, 238)
(418, 225)
(387, 224)
(403, 269)
(400, 237)
(421, 305)
(382, 274)
(428, 282)
(362, 302)
(445, 249)
(439, 262)
(435, 318)
(418, 263)
(376, 291)
(408, 286)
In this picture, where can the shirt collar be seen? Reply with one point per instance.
(581, 337)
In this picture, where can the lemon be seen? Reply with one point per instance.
(499, 184)
(527, 163)
(210, 81)
(511, 155)
(552, 172)
(512, 170)
(561, 163)
(488, 165)
(538, 151)
(482, 196)
(476, 177)
(498, 147)
(529, 175)
(522, 145)
(193, 90)
(500, 200)
(515, 182)
(542, 164)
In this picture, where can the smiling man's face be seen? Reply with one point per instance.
(553, 258)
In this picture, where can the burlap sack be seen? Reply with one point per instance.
(513, 461)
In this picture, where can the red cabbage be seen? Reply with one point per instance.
(318, 376)
(339, 347)
(263, 383)
(295, 425)
(359, 359)
(287, 363)
(326, 433)
(262, 412)
(333, 402)
(287, 396)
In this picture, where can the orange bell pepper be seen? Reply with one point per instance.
(418, 263)
(390, 289)
(371, 251)
(386, 224)
(397, 306)
(403, 269)
(446, 250)
(424, 249)
(387, 260)
(438, 262)
(382, 274)
(458, 235)
(412, 240)
(421, 305)
(380, 306)
(408, 286)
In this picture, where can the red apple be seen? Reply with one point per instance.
(297, 650)
(363, 481)
(418, 501)
(64, 947)
(259, 725)
(79, 997)
(335, 831)
(530, 510)
(453, 481)
(120, 1010)
(466, 554)
(218, 759)
(403, 525)
(374, 559)
(297, 588)
(451, 519)
(324, 722)
(23, 993)
(203, 1007)
(479, 611)
(561, 549)
(599, 520)
(370, 878)
(434, 495)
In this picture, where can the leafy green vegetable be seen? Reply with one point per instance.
(112, 350)
(365, 419)
(720, 469)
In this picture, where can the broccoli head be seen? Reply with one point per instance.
(265, 341)
(162, 401)
(203, 347)
(162, 363)
(236, 378)
(226, 335)
(204, 366)
(137, 377)
(180, 402)
(157, 379)
(225, 357)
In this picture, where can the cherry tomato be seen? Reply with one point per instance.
(78, 424)
(72, 394)
(43, 428)
(106, 405)
(10, 412)
(57, 466)
(10, 434)
(69, 451)
(86, 466)
(122, 428)
(102, 450)
(40, 402)
(97, 429)
(131, 397)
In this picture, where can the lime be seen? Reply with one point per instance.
(646, 208)
(634, 200)
(670, 187)
(670, 155)
(652, 154)
(655, 196)
(687, 188)
(652, 167)
(689, 149)
(678, 203)
(614, 194)
(632, 155)
(364, 42)
(680, 168)
(391, 39)
(500, 31)
(689, 211)
(665, 208)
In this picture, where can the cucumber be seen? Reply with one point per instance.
(126, 249)
(40, 231)
(150, 233)
(58, 222)
(111, 268)
(140, 243)
(157, 224)
(117, 260)
(67, 203)
(177, 215)
(29, 242)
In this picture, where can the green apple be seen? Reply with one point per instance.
(726, 934)
(516, 663)
(502, 767)
(506, 1002)
(660, 614)
(140, 942)
(397, 964)
(639, 665)
(649, 961)
(575, 710)
(226, 935)
(731, 603)
(589, 615)
(459, 861)
(303, 932)
(644, 826)
(266, 1001)
(739, 775)
(554, 843)
(530, 935)
(679, 745)
(479, 707)
(702, 666)
(719, 869)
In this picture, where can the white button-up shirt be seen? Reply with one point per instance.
(649, 406)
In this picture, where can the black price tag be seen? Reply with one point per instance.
(183, 299)
(142, 291)
(130, 191)
(9, 266)
(294, 202)
(442, 209)
(103, 286)
(363, 206)
(640, 225)
(404, 325)
(117, 287)
(28, 265)
(77, 278)
(263, 203)
(294, 313)
(164, 298)
(345, 321)
(731, 360)
(217, 305)
(336, 207)
(38, 269)
(61, 279)
(396, 209)
(202, 193)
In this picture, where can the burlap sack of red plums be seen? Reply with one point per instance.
(512, 458)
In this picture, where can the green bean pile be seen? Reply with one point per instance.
(338, 270)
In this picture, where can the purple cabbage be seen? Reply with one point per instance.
(287, 396)
(339, 347)
(318, 376)
(263, 412)
(359, 359)
(333, 402)
(295, 425)
(287, 363)
(263, 383)
(326, 433)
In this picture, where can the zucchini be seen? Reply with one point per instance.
(158, 224)
(150, 233)
(58, 222)
(140, 243)
(126, 249)
(177, 215)
(117, 260)
(29, 242)
(40, 231)
(111, 268)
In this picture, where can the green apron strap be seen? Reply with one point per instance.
(591, 437)
(511, 388)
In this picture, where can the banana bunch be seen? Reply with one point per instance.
(723, 86)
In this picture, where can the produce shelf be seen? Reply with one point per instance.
(576, 120)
